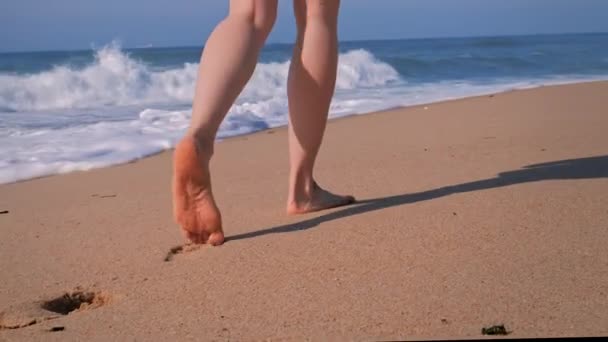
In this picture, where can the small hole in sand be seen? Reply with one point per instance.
(74, 301)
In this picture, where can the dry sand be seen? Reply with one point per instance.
(457, 230)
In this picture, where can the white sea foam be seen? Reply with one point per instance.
(118, 109)
(115, 79)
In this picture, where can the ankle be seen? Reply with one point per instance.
(204, 143)
(301, 188)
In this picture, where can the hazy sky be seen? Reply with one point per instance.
(80, 24)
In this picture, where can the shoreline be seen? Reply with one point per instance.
(347, 116)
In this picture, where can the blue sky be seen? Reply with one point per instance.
(80, 24)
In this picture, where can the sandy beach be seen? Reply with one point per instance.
(474, 212)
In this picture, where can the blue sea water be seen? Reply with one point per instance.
(62, 111)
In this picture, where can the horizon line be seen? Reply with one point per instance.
(291, 43)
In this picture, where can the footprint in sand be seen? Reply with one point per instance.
(27, 314)
(187, 248)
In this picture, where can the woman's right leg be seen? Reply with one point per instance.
(227, 63)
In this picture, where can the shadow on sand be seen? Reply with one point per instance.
(583, 168)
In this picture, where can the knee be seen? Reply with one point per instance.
(264, 20)
(260, 15)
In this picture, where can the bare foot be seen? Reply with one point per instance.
(319, 199)
(194, 208)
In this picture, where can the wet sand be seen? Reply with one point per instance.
(474, 212)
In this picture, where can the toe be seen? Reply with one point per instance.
(216, 239)
(349, 199)
(341, 201)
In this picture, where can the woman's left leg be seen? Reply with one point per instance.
(312, 79)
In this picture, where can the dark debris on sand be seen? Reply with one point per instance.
(495, 330)
(104, 196)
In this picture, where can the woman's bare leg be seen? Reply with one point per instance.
(227, 63)
(312, 79)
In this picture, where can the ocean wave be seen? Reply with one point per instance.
(463, 66)
(117, 79)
